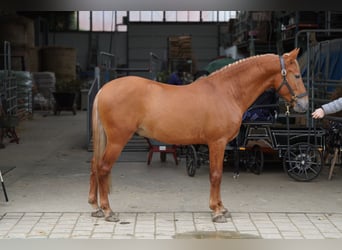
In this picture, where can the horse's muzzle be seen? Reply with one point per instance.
(301, 105)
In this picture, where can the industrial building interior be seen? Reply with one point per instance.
(59, 51)
(54, 52)
(53, 63)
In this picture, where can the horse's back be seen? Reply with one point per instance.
(126, 82)
(123, 87)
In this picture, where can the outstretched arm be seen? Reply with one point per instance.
(329, 108)
(318, 113)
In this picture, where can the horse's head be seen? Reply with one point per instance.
(292, 88)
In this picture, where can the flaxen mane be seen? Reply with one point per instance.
(243, 60)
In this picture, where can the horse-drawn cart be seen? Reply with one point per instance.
(300, 148)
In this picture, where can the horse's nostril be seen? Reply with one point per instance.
(301, 106)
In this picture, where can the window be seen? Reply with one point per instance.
(209, 16)
(84, 20)
(224, 16)
(121, 16)
(97, 20)
(182, 16)
(194, 16)
(170, 16)
(157, 16)
(102, 20)
(109, 21)
(121, 21)
(134, 16)
(146, 16)
(117, 20)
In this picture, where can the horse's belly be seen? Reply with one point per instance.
(168, 130)
(178, 131)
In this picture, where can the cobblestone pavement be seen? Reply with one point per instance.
(171, 226)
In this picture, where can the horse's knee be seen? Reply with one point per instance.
(104, 170)
(215, 177)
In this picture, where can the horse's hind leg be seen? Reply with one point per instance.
(111, 154)
(216, 155)
(92, 199)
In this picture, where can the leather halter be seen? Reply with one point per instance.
(283, 72)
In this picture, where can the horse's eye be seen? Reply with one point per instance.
(297, 76)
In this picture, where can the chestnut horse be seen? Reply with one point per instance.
(207, 111)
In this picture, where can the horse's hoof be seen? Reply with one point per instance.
(236, 176)
(219, 218)
(226, 213)
(112, 217)
(98, 214)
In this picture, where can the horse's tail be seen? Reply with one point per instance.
(99, 139)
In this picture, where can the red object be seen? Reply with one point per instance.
(162, 149)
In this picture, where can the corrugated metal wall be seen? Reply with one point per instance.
(144, 38)
(134, 47)
(80, 41)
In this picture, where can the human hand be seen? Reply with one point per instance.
(318, 113)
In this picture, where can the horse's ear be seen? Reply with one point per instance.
(293, 54)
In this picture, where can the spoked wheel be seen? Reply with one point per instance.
(303, 162)
(191, 160)
(254, 159)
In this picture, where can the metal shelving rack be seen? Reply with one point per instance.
(254, 32)
(8, 92)
(8, 84)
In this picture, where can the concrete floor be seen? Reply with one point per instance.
(51, 175)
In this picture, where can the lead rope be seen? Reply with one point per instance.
(287, 114)
(314, 135)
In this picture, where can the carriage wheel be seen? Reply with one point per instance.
(257, 159)
(303, 162)
(191, 160)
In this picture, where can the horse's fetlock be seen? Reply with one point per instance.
(105, 207)
(91, 200)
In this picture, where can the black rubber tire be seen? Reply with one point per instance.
(303, 162)
(191, 160)
(257, 158)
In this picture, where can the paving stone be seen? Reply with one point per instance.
(271, 236)
(59, 235)
(335, 235)
(102, 235)
(167, 225)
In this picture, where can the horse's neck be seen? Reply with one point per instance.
(245, 81)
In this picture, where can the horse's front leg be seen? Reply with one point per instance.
(216, 155)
